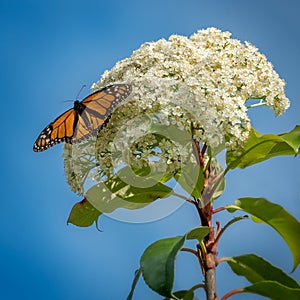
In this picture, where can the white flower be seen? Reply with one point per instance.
(199, 85)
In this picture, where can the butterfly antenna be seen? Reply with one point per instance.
(83, 86)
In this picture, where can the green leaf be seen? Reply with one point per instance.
(256, 269)
(293, 138)
(115, 193)
(107, 201)
(157, 264)
(273, 290)
(213, 152)
(198, 233)
(145, 195)
(83, 214)
(218, 169)
(219, 190)
(143, 177)
(186, 294)
(191, 179)
(260, 147)
(277, 217)
(182, 295)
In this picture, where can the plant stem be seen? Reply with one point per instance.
(219, 209)
(231, 293)
(184, 198)
(189, 250)
(207, 253)
(209, 256)
(210, 280)
(260, 103)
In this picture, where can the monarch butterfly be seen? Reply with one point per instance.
(84, 119)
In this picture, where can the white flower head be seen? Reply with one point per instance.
(199, 85)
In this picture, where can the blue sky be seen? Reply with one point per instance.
(49, 49)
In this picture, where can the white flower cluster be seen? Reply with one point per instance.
(80, 163)
(198, 84)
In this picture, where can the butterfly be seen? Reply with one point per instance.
(86, 118)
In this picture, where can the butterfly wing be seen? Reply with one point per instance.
(85, 119)
(96, 109)
(60, 130)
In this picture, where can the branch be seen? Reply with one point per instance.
(184, 198)
(189, 250)
(219, 209)
(260, 103)
(222, 259)
(232, 292)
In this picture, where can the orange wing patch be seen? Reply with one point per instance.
(86, 118)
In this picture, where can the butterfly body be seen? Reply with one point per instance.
(79, 107)
(86, 118)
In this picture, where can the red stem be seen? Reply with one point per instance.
(208, 255)
(232, 292)
(190, 251)
(222, 259)
(214, 211)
